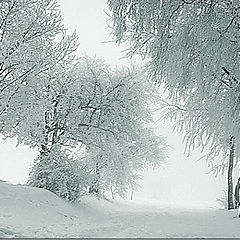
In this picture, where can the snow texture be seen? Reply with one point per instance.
(32, 212)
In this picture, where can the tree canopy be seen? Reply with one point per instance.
(53, 101)
(192, 49)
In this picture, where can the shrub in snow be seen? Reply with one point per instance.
(60, 174)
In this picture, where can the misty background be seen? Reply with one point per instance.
(182, 180)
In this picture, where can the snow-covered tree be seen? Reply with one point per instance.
(117, 167)
(87, 103)
(133, 146)
(192, 49)
(32, 43)
(51, 101)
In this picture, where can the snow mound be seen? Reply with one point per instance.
(33, 212)
(37, 213)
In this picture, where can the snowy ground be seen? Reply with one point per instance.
(32, 212)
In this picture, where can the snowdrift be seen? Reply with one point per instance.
(33, 212)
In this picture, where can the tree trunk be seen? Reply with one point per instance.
(132, 195)
(230, 175)
(112, 192)
(95, 186)
(236, 194)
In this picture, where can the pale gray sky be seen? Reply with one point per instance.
(183, 179)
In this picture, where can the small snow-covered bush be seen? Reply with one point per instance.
(61, 175)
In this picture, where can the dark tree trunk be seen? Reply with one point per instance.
(95, 186)
(132, 195)
(44, 156)
(236, 194)
(230, 175)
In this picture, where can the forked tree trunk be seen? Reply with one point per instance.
(236, 193)
(230, 175)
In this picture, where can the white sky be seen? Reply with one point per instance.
(183, 179)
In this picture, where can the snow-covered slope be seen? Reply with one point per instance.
(32, 212)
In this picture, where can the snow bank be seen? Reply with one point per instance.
(32, 212)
